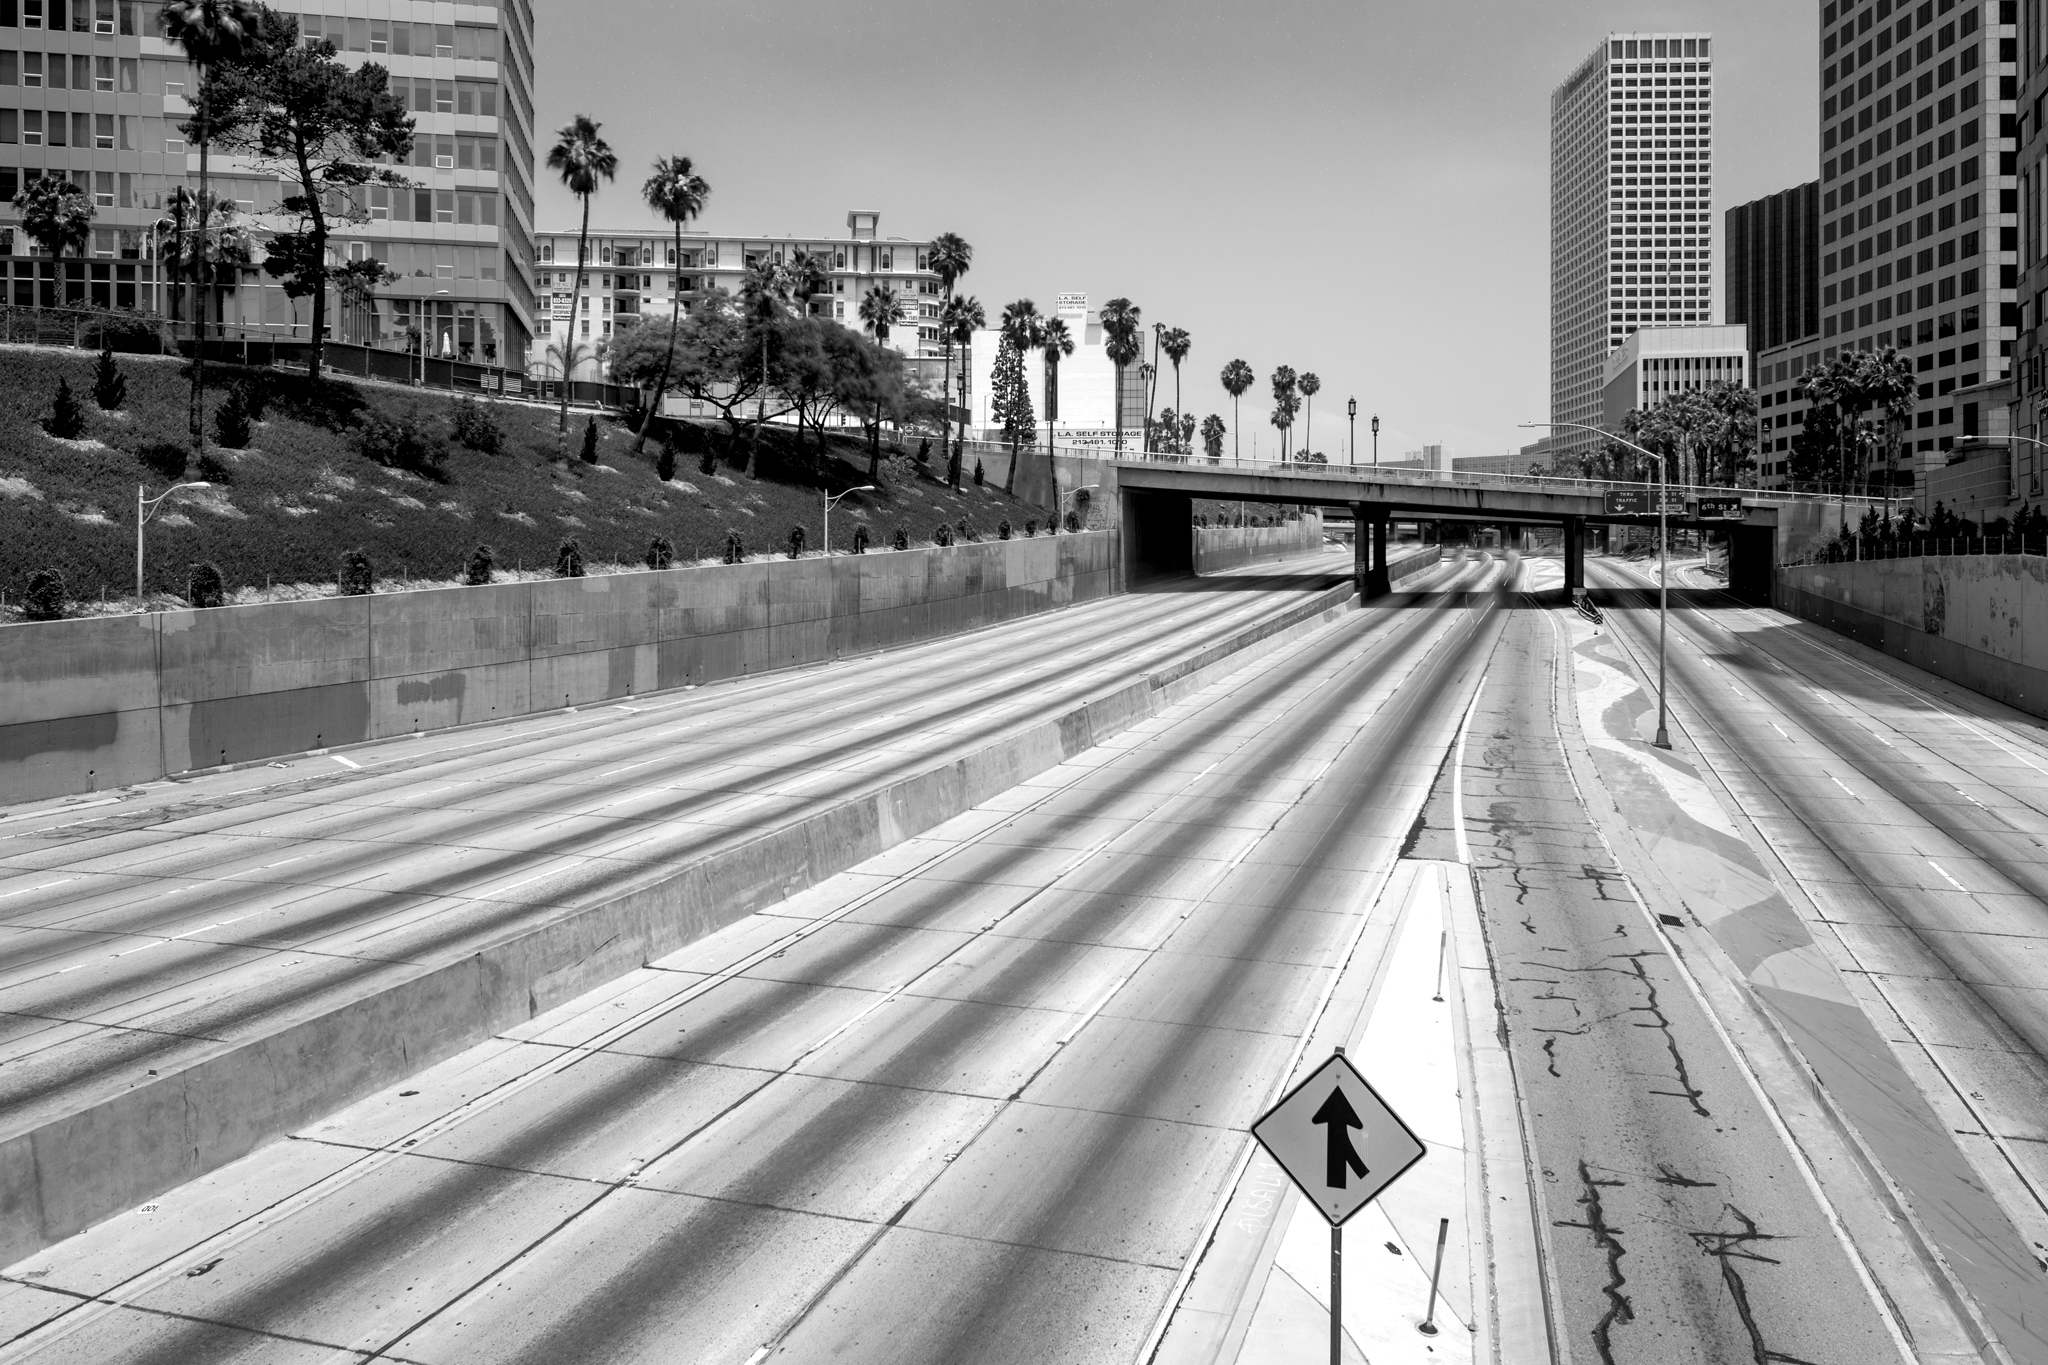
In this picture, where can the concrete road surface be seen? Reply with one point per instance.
(971, 1102)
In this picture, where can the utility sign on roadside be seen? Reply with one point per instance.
(1338, 1140)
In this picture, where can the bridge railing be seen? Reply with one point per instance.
(1545, 483)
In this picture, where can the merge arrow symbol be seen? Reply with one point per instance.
(1340, 1118)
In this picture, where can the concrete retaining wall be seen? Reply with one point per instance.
(72, 1170)
(1977, 620)
(108, 702)
(1229, 547)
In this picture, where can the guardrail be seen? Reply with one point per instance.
(1467, 478)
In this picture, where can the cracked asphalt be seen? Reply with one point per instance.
(1679, 1227)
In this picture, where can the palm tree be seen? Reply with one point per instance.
(1024, 329)
(210, 32)
(1309, 385)
(950, 259)
(880, 310)
(677, 193)
(582, 159)
(1123, 342)
(1058, 343)
(964, 316)
(1284, 382)
(1177, 344)
(766, 290)
(808, 275)
(1886, 381)
(1237, 379)
(1212, 438)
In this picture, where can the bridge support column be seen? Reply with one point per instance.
(1377, 583)
(1574, 558)
(1361, 548)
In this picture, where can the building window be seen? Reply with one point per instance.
(103, 133)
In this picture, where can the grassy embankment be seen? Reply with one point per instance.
(285, 509)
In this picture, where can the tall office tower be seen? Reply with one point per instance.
(1771, 260)
(1631, 199)
(99, 100)
(1919, 235)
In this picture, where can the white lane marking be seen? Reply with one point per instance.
(29, 890)
(629, 767)
(1840, 783)
(1458, 779)
(1780, 729)
(345, 762)
(499, 891)
(143, 949)
(300, 859)
(1969, 798)
(1738, 691)
(1944, 872)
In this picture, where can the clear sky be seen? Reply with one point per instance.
(1353, 187)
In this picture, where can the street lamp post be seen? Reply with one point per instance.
(1375, 441)
(1663, 740)
(145, 508)
(831, 498)
(1351, 410)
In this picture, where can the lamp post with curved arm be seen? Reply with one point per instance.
(145, 508)
(1663, 740)
(831, 498)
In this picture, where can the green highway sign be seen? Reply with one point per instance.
(1721, 509)
(1642, 502)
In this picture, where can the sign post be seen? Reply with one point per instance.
(1309, 1132)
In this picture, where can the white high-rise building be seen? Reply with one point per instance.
(1631, 205)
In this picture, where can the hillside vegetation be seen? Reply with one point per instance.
(344, 466)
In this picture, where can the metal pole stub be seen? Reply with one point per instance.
(1428, 1324)
(1336, 1294)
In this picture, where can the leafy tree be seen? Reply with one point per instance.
(590, 440)
(712, 360)
(677, 193)
(67, 418)
(481, 568)
(569, 559)
(665, 462)
(1057, 343)
(582, 159)
(109, 385)
(1237, 379)
(766, 292)
(1212, 438)
(809, 355)
(951, 257)
(205, 587)
(869, 379)
(210, 32)
(1310, 385)
(55, 214)
(296, 112)
(1123, 342)
(1011, 401)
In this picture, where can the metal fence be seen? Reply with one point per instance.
(1859, 548)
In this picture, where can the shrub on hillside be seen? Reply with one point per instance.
(1073, 521)
(205, 587)
(355, 578)
(46, 598)
(964, 530)
(943, 536)
(165, 458)
(924, 451)
(709, 464)
(977, 473)
(67, 419)
(665, 462)
(475, 425)
(860, 539)
(735, 548)
(405, 440)
(109, 385)
(660, 552)
(481, 568)
(231, 420)
(1030, 527)
(213, 469)
(901, 540)
(796, 541)
(590, 440)
(569, 559)
(1003, 529)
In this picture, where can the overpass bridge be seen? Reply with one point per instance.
(1156, 511)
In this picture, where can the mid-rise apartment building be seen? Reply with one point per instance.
(90, 90)
(1631, 203)
(1654, 363)
(1919, 199)
(637, 273)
